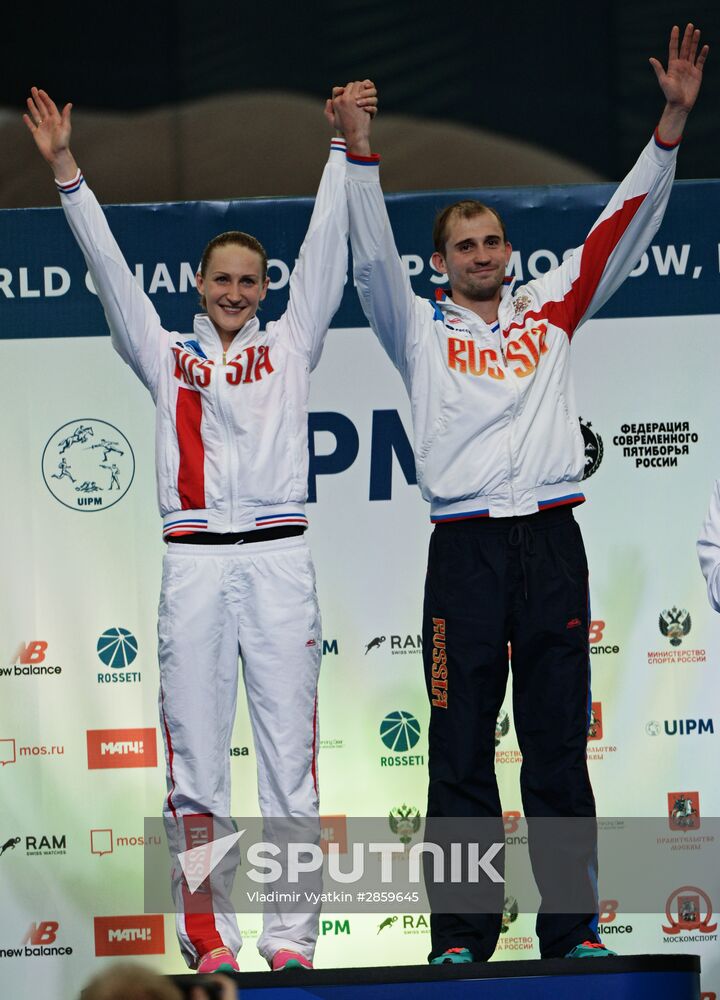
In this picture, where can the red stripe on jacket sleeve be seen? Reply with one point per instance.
(596, 252)
(191, 470)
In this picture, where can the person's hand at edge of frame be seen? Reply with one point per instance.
(51, 130)
(680, 82)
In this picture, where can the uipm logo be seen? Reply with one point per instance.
(130, 935)
(108, 748)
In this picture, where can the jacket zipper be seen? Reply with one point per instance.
(231, 456)
(516, 391)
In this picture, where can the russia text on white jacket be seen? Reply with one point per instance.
(231, 429)
(496, 430)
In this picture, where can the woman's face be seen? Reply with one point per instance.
(233, 286)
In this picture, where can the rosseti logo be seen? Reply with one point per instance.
(399, 731)
(117, 648)
(109, 748)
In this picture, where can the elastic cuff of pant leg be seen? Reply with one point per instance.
(268, 951)
(480, 952)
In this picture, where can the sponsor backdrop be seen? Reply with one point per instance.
(80, 750)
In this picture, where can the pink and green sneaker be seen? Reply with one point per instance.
(218, 960)
(285, 959)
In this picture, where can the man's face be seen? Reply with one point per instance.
(475, 258)
(233, 286)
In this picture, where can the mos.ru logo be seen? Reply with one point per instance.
(399, 731)
(117, 648)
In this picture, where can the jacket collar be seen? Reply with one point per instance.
(206, 335)
(444, 304)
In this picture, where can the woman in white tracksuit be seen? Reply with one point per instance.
(232, 464)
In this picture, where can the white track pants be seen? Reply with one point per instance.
(217, 601)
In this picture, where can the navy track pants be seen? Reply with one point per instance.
(490, 582)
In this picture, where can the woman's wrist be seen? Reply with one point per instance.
(64, 166)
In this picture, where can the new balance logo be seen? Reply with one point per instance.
(32, 652)
(43, 933)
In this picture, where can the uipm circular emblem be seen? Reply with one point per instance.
(88, 465)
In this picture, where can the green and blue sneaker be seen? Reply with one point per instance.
(590, 949)
(454, 956)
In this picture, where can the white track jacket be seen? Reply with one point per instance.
(231, 430)
(708, 547)
(496, 430)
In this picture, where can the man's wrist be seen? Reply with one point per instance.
(677, 109)
(672, 124)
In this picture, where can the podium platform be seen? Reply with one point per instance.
(640, 977)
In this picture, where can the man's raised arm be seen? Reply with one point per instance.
(593, 272)
(383, 286)
(318, 279)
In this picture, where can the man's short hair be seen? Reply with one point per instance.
(466, 209)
